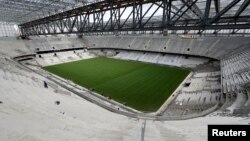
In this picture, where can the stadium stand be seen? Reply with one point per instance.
(235, 74)
(160, 58)
(201, 46)
(191, 57)
(185, 53)
(202, 93)
(61, 57)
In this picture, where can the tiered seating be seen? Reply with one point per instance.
(110, 42)
(202, 93)
(124, 42)
(62, 57)
(197, 98)
(23, 97)
(165, 59)
(53, 43)
(156, 43)
(76, 42)
(25, 103)
(139, 43)
(201, 46)
(235, 69)
(41, 44)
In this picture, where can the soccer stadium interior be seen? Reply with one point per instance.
(122, 70)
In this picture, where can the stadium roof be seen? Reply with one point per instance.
(22, 11)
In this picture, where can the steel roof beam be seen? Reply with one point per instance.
(195, 9)
(217, 6)
(176, 9)
(228, 7)
(243, 6)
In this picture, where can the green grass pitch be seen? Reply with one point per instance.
(142, 86)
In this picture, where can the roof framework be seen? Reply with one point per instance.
(20, 11)
(43, 17)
